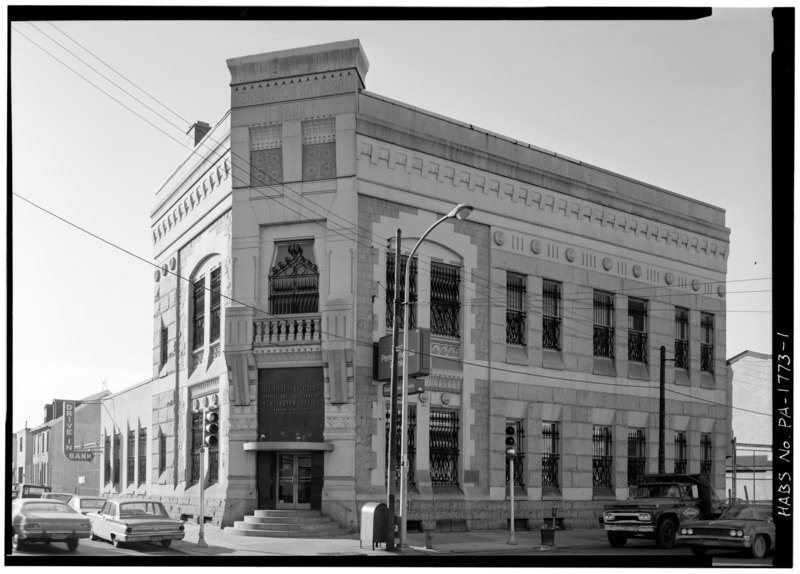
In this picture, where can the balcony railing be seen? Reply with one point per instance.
(603, 341)
(707, 358)
(515, 327)
(551, 333)
(681, 354)
(637, 347)
(287, 330)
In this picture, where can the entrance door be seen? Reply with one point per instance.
(294, 480)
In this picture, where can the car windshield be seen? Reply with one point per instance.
(745, 512)
(659, 491)
(94, 503)
(36, 507)
(140, 509)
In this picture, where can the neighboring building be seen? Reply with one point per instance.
(546, 309)
(22, 458)
(125, 441)
(751, 397)
(50, 465)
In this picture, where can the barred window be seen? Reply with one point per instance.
(142, 455)
(603, 325)
(411, 445)
(412, 288)
(319, 149)
(707, 342)
(107, 459)
(162, 452)
(266, 155)
(444, 447)
(294, 279)
(519, 458)
(117, 449)
(445, 299)
(680, 453)
(602, 457)
(215, 305)
(515, 308)
(637, 330)
(131, 476)
(551, 315)
(706, 464)
(198, 313)
(681, 338)
(550, 454)
(197, 443)
(164, 345)
(637, 456)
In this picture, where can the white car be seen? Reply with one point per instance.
(135, 520)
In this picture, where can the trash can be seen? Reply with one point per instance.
(374, 524)
(548, 536)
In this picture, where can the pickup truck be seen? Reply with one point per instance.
(661, 503)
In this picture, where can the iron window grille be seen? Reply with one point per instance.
(319, 149)
(445, 299)
(707, 460)
(197, 443)
(117, 443)
(515, 309)
(142, 455)
(681, 338)
(412, 288)
(637, 456)
(603, 344)
(444, 447)
(164, 345)
(106, 459)
(550, 454)
(551, 315)
(266, 155)
(131, 476)
(162, 452)
(199, 313)
(637, 331)
(215, 304)
(294, 280)
(680, 453)
(411, 447)
(707, 342)
(602, 458)
(519, 458)
(213, 465)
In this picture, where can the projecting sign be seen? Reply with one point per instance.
(419, 355)
(69, 435)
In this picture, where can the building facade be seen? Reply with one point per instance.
(749, 472)
(546, 310)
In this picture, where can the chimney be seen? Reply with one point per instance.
(197, 132)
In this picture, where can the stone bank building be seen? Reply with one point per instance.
(546, 309)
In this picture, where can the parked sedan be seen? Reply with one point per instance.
(747, 527)
(86, 504)
(135, 520)
(42, 520)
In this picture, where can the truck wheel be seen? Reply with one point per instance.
(759, 547)
(617, 539)
(665, 533)
(72, 544)
(698, 550)
(166, 542)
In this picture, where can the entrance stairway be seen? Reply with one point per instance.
(287, 524)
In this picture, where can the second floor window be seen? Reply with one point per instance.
(637, 456)
(445, 299)
(551, 315)
(294, 280)
(319, 149)
(681, 338)
(515, 309)
(602, 457)
(198, 312)
(637, 330)
(707, 342)
(603, 340)
(412, 288)
(266, 155)
(216, 297)
(680, 452)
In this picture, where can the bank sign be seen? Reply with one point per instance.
(69, 435)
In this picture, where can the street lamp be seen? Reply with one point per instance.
(460, 211)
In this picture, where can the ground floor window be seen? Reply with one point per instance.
(601, 457)
(707, 460)
(680, 453)
(637, 460)
(444, 427)
(550, 454)
(411, 448)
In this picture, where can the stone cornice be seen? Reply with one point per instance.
(297, 88)
(530, 197)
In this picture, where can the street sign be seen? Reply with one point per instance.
(419, 355)
(415, 387)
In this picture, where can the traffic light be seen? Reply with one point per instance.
(211, 428)
(511, 441)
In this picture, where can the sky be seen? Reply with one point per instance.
(682, 105)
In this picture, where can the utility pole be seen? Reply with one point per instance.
(661, 408)
(392, 454)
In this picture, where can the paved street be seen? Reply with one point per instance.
(571, 547)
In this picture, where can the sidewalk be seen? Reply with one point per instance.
(221, 543)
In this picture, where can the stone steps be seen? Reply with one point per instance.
(287, 524)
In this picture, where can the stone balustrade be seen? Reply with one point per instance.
(297, 329)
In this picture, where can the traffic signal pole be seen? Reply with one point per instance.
(201, 541)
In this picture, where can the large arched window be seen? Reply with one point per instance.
(294, 279)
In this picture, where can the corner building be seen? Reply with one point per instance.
(546, 308)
